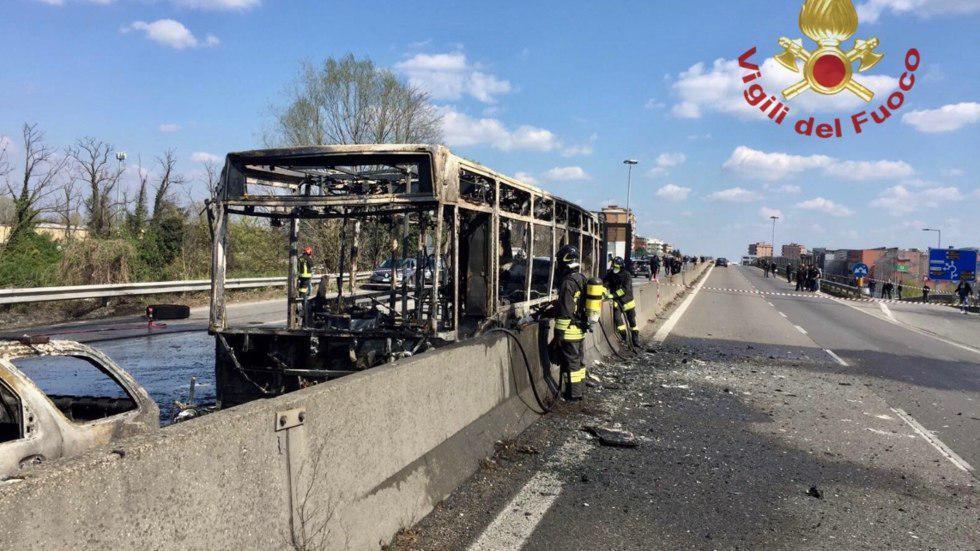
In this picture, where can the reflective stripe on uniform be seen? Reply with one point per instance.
(621, 327)
(620, 292)
(561, 324)
(629, 305)
(574, 333)
(578, 376)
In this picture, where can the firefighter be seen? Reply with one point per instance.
(304, 271)
(619, 286)
(571, 322)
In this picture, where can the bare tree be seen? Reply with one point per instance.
(169, 179)
(353, 101)
(68, 206)
(94, 168)
(136, 219)
(211, 177)
(43, 167)
(6, 203)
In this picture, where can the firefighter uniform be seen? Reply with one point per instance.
(304, 271)
(619, 286)
(571, 321)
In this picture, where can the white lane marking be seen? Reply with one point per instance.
(935, 442)
(887, 311)
(770, 304)
(518, 519)
(800, 329)
(905, 325)
(836, 358)
(782, 314)
(668, 325)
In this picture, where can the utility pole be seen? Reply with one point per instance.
(773, 254)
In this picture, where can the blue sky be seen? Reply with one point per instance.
(559, 92)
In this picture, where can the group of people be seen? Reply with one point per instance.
(671, 265)
(888, 288)
(807, 277)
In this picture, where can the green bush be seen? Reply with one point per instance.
(30, 260)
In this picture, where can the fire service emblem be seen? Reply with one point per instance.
(829, 69)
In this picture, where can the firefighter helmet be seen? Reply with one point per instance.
(569, 256)
(618, 262)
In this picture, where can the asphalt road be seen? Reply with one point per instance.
(765, 419)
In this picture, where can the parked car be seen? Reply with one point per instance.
(721, 262)
(61, 398)
(640, 267)
(405, 269)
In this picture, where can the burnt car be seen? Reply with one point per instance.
(61, 398)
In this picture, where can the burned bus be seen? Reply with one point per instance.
(481, 244)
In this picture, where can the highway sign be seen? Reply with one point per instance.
(860, 270)
(952, 264)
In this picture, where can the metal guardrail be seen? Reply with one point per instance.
(50, 294)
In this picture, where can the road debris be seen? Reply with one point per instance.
(612, 436)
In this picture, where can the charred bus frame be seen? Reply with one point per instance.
(485, 248)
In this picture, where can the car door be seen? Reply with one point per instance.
(28, 433)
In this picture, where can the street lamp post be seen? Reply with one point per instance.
(773, 253)
(939, 237)
(629, 189)
(629, 179)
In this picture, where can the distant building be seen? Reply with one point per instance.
(58, 232)
(640, 244)
(793, 252)
(760, 250)
(617, 224)
(658, 247)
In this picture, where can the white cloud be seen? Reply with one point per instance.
(462, 130)
(825, 206)
(673, 192)
(767, 212)
(718, 88)
(898, 200)
(170, 33)
(774, 166)
(581, 149)
(169, 127)
(665, 161)
(953, 172)
(654, 104)
(734, 195)
(227, 5)
(870, 11)
(526, 178)
(860, 171)
(944, 119)
(204, 157)
(566, 174)
(450, 76)
(771, 166)
(789, 189)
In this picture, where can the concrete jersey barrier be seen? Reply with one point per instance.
(343, 464)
